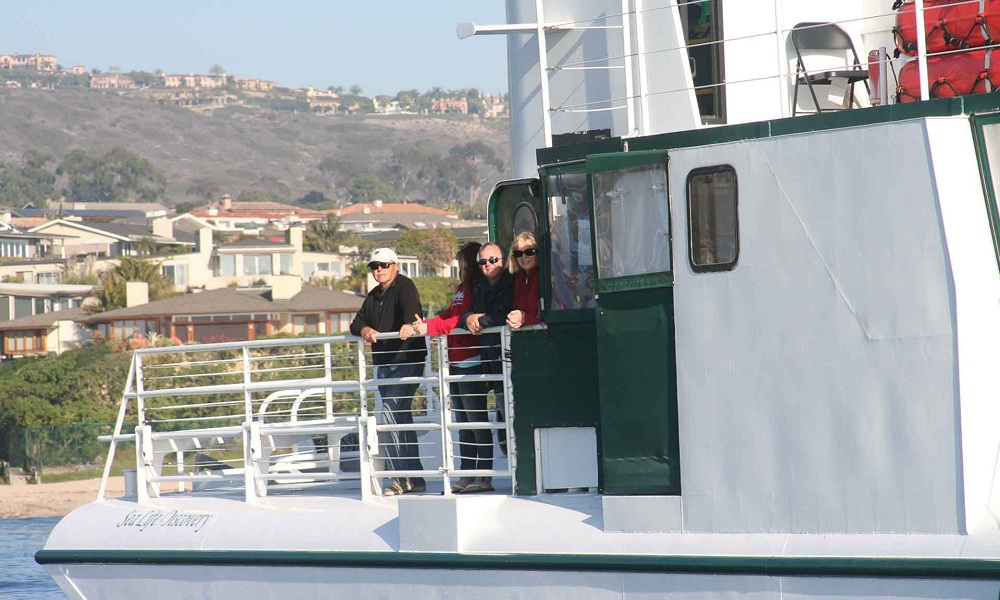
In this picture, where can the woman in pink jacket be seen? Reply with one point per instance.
(468, 398)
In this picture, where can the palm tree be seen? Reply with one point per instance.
(111, 291)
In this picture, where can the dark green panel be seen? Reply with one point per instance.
(555, 385)
(638, 392)
(624, 160)
(572, 152)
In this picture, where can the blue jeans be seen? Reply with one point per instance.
(401, 451)
(475, 446)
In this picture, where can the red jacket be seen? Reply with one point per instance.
(526, 295)
(460, 347)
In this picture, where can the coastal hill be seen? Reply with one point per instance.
(260, 151)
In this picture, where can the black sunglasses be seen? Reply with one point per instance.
(492, 260)
(375, 266)
(525, 252)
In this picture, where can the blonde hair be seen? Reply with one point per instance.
(525, 236)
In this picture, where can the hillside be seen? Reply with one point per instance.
(236, 149)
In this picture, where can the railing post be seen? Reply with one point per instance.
(918, 12)
(140, 404)
(508, 397)
(366, 428)
(247, 400)
(444, 393)
(251, 456)
(328, 375)
(143, 463)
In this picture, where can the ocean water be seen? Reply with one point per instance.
(20, 577)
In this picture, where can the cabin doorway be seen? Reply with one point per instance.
(637, 374)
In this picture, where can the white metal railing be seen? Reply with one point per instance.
(290, 414)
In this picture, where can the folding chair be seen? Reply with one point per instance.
(828, 44)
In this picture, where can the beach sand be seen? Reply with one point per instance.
(53, 499)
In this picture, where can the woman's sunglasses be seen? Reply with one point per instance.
(492, 260)
(525, 252)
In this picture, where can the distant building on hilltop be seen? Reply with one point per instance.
(322, 101)
(494, 106)
(28, 62)
(450, 105)
(192, 80)
(254, 85)
(104, 81)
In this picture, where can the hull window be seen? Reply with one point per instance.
(713, 219)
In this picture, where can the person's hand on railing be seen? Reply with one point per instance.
(368, 334)
(515, 319)
(472, 323)
(418, 327)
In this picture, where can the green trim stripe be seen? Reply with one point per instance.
(768, 566)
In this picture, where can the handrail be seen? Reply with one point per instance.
(272, 401)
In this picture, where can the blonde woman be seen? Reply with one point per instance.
(523, 265)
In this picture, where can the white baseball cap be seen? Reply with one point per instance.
(383, 255)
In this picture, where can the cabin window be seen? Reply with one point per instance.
(525, 219)
(712, 219)
(702, 25)
(571, 267)
(633, 221)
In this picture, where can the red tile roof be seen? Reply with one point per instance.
(396, 208)
(257, 210)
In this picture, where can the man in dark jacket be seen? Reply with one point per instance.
(492, 299)
(390, 304)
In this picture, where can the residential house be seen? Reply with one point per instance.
(19, 300)
(86, 239)
(322, 101)
(450, 105)
(385, 105)
(383, 223)
(44, 334)
(379, 215)
(105, 81)
(494, 106)
(31, 257)
(40, 319)
(253, 216)
(232, 314)
(28, 62)
(14, 244)
(254, 85)
(193, 81)
(98, 210)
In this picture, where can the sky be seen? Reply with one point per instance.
(382, 45)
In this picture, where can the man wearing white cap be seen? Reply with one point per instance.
(386, 308)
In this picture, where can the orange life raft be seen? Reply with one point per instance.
(948, 25)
